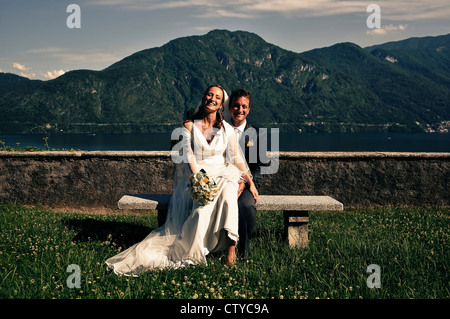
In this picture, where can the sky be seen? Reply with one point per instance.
(43, 39)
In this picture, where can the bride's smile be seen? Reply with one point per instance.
(213, 99)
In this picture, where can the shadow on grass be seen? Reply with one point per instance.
(276, 234)
(122, 233)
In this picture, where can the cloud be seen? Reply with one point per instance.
(20, 67)
(45, 50)
(88, 57)
(28, 73)
(201, 28)
(387, 29)
(50, 75)
(406, 10)
(306, 7)
(65, 56)
(24, 71)
(399, 10)
(70, 56)
(156, 5)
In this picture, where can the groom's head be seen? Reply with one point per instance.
(239, 106)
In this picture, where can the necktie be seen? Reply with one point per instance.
(238, 133)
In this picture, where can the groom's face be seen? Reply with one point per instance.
(239, 109)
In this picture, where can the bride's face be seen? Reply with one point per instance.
(212, 100)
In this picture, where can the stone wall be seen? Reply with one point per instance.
(99, 179)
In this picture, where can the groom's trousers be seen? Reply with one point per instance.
(247, 218)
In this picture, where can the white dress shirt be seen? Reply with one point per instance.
(240, 130)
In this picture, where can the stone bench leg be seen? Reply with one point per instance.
(296, 228)
(162, 215)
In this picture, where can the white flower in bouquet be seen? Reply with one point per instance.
(202, 187)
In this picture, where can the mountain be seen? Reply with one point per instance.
(428, 56)
(427, 43)
(339, 88)
(404, 85)
(426, 61)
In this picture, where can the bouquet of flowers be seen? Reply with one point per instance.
(202, 187)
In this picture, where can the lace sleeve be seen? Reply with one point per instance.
(188, 150)
(182, 152)
(235, 154)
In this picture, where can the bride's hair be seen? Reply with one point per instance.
(200, 114)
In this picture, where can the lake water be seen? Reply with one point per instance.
(351, 142)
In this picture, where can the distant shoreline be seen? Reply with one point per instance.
(288, 141)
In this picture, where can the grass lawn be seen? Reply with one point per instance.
(409, 244)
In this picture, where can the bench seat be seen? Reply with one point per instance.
(295, 210)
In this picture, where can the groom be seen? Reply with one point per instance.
(248, 137)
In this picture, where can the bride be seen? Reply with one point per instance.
(192, 231)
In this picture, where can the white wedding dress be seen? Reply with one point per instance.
(191, 231)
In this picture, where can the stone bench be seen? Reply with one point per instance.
(295, 210)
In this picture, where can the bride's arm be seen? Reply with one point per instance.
(236, 156)
(187, 147)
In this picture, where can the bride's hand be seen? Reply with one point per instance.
(241, 187)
